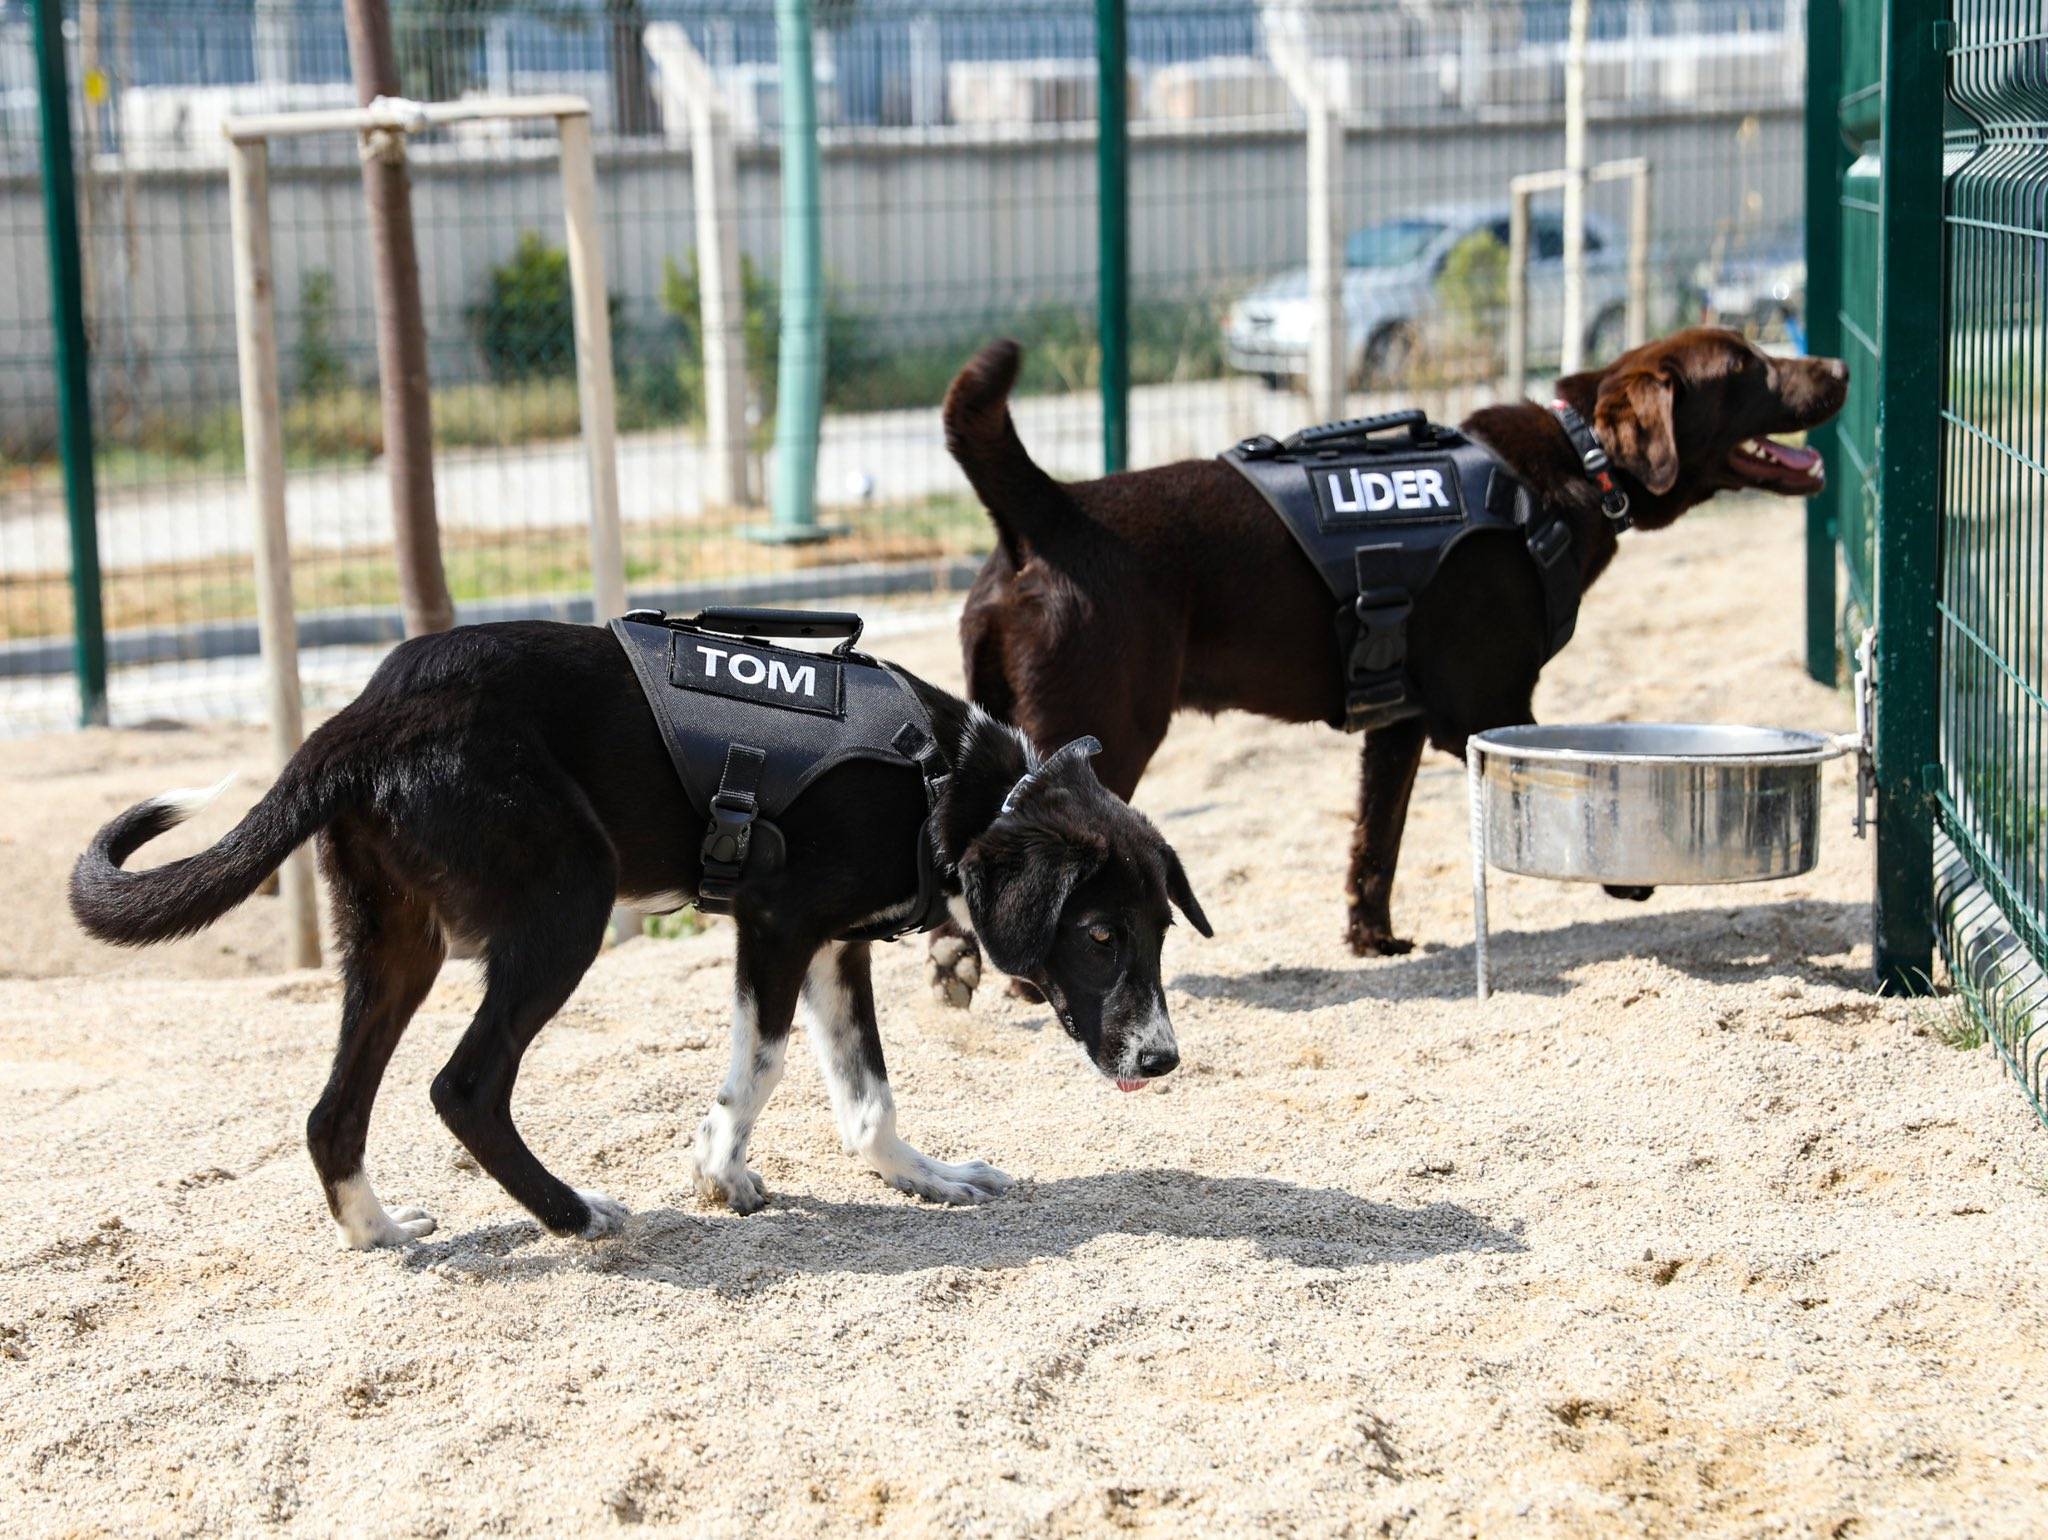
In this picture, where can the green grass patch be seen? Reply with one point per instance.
(1960, 1026)
(679, 926)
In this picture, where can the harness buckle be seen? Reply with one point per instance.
(730, 832)
(1382, 631)
(1260, 446)
(726, 842)
(1550, 542)
(1378, 705)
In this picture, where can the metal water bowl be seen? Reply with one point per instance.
(1645, 804)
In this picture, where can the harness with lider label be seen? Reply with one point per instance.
(1377, 514)
(749, 725)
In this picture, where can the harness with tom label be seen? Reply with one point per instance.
(1377, 503)
(749, 725)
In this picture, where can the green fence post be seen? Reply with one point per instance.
(800, 356)
(74, 383)
(1911, 340)
(1825, 159)
(1113, 227)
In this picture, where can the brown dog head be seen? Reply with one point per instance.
(1693, 414)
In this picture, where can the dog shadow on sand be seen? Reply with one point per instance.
(1321, 1228)
(1735, 944)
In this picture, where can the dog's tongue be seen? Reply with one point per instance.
(1788, 468)
(1130, 1085)
(1794, 457)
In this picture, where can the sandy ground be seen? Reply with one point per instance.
(1682, 1232)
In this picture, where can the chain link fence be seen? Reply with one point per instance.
(958, 174)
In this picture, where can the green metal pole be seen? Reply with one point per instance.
(1911, 337)
(74, 386)
(1825, 161)
(1113, 224)
(800, 362)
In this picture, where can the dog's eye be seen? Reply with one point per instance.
(1101, 935)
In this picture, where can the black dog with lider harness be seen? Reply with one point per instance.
(1378, 503)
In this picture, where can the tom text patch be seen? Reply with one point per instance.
(793, 681)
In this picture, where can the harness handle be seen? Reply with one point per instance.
(1415, 420)
(740, 620)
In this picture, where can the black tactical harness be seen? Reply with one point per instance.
(749, 725)
(1377, 514)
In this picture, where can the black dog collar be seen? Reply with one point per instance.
(1613, 501)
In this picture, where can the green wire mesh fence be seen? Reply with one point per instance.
(1992, 806)
(958, 187)
(1855, 478)
(1940, 498)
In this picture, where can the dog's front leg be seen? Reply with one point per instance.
(766, 979)
(839, 1013)
(1388, 763)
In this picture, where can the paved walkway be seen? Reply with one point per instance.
(893, 455)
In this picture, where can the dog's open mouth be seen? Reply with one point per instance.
(1794, 470)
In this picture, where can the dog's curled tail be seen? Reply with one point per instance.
(1026, 504)
(180, 897)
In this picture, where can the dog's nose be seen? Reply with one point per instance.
(1154, 1062)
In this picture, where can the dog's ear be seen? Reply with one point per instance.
(1633, 416)
(1182, 894)
(1016, 880)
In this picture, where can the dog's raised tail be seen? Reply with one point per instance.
(1026, 504)
(180, 897)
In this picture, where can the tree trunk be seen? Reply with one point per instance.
(401, 333)
(633, 106)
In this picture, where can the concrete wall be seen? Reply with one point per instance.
(937, 235)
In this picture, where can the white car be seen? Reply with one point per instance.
(1393, 307)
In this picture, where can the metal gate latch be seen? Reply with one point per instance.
(1863, 740)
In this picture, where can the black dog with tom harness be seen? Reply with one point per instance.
(750, 725)
(1378, 502)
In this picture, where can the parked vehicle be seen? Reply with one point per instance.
(1755, 282)
(1396, 309)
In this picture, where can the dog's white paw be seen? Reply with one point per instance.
(973, 1181)
(607, 1215)
(954, 964)
(738, 1189)
(366, 1224)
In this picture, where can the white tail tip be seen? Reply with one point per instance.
(191, 800)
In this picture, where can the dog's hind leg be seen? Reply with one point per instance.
(839, 1012)
(1388, 762)
(391, 950)
(766, 977)
(549, 924)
